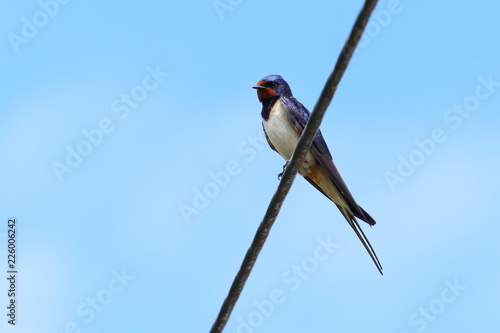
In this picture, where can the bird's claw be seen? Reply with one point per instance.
(280, 175)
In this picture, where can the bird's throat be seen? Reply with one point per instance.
(267, 105)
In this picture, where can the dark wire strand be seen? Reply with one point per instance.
(293, 166)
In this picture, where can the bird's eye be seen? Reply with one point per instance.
(273, 84)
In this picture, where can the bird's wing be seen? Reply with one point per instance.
(299, 116)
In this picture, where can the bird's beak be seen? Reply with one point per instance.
(258, 87)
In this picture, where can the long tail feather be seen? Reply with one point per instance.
(361, 235)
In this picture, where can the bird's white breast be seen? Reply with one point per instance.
(283, 135)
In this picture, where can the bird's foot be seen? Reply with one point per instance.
(280, 175)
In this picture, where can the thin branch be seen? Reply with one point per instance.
(293, 166)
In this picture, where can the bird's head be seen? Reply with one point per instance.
(272, 86)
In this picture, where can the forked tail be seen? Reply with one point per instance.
(361, 235)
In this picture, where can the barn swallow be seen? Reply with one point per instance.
(283, 119)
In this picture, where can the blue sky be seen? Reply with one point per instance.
(134, 163)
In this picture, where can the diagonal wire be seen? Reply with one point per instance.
(293, 166)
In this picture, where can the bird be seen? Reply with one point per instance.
(283, 120)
